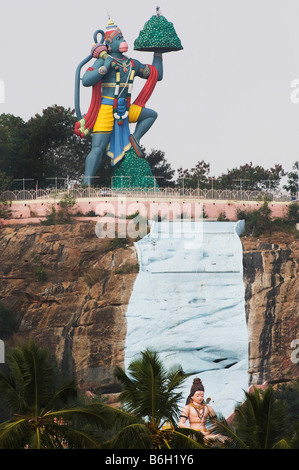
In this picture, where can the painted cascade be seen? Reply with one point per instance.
(188, 305)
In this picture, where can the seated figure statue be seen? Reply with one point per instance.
(196, 410)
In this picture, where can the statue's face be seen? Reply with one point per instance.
(119, 44)
(198, 397)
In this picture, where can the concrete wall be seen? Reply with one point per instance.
(36, 210)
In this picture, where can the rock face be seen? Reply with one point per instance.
(271, 302)
(70, 292)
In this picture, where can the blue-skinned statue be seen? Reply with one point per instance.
(111, 111)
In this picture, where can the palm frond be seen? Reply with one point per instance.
(149, 390)
(176, 377)
(260, 420)
(65, 393)
(188, 439)
(39, 389)
(10, 395)
(71, 437)
(12, 434)
(134, 436)
(30, 375)
(233, 440)
(95, 413)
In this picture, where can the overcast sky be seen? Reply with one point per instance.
(226, 98)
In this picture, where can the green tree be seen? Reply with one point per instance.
(5, 181)
(289, 395)
(259, 423)
(150, 393)
(293, 213)
(257, 221)
(12, 137)
(161, 169)
(292, 184)
(5, 184)
(52, 148)
(44, 147)
(43, 410)
(251, 177)
(196, 177)
(62, 215)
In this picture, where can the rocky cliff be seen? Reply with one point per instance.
(70, 291)
(271, 268)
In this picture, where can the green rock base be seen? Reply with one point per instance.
(133, 172)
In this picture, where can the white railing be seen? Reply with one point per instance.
(165, 193)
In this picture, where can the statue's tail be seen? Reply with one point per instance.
(85, 124)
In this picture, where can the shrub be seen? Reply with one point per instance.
(63, 214)
(50, 218)
(293, 213)
(257, 221)
(117, 242)
(127, 268)
(289, 394)
(222, 217)
(40, 274)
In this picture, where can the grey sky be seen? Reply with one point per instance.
(225, 98)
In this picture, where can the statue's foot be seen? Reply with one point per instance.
(136, 146)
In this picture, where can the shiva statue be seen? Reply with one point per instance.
(111, 77)
(197, 411)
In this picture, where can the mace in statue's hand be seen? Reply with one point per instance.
(160, 51)
(98, 49)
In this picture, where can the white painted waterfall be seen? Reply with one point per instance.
(188, 305)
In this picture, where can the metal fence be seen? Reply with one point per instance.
(163, 193)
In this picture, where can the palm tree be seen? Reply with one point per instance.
(43, 413)
(259, 423)
(150, 393)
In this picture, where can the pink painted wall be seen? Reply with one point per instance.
(34, 211)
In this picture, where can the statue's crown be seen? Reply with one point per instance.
(111, 31)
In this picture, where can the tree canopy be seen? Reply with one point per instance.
(251, 177)
(196, 177)
(44, 147)
(292, 184)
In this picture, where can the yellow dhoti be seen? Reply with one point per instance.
(105, 120)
